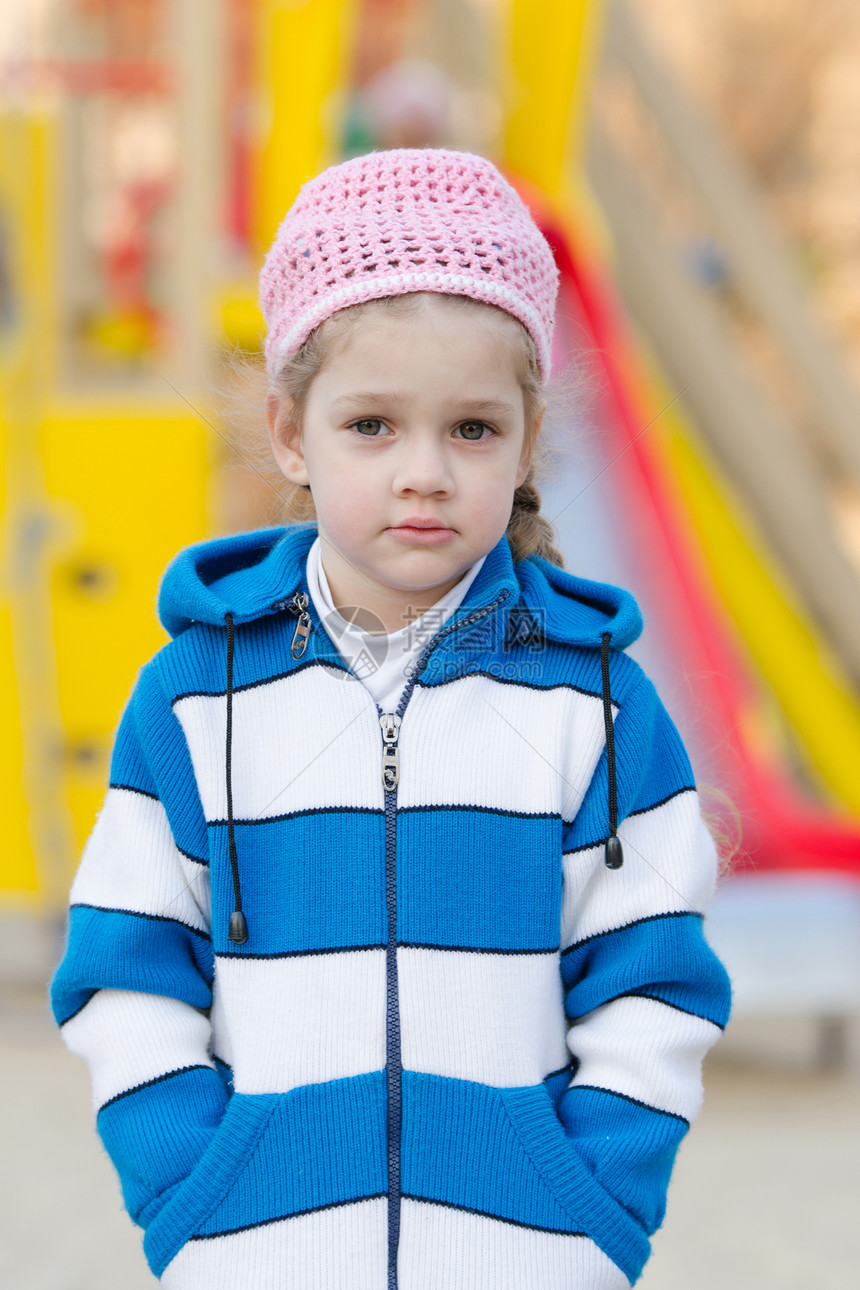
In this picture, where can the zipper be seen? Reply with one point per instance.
(297, 604)
(390, 723)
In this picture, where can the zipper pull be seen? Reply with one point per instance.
(390, 723)
(299, 605)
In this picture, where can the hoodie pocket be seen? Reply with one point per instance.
(196, 1196)
(595, 1212)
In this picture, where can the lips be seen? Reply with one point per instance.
(426, 532)
(415, 522)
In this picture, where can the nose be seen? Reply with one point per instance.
(423, 468)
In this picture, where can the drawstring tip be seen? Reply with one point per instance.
(238, 928)
(614, 855)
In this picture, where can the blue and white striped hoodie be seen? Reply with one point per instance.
(456, 1050)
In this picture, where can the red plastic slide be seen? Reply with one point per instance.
(781, 830)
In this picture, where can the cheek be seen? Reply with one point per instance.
(343, 507)
(490, 510)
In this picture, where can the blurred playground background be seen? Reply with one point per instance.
(696, 168)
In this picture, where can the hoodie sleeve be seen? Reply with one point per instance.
(645, 995)
(134, 987)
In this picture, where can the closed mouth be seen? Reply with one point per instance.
(421, 524)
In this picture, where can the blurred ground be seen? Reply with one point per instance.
(765, 1196)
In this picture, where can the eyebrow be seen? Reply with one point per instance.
(464, 405)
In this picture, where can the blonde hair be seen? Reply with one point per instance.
(528, 531)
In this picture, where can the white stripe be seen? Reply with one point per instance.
(479, 740)
(474, 740)
(493, 1018)
(645, 1050)
(303, 1019)
(131, 861)
(128, 1038)
(291, 741)
(342, 1248)
(448, 1249)
(670, 864)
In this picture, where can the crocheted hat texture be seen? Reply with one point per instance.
(404, 220)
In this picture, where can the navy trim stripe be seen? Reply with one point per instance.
(643, 810)
(294, 954)
(80, 1008)
(637, 922)
(667, 1003)
(132, 788)
(640, 810)
(508, 680)
(332, 809)
(380, 945)
(137, 913)
(283, 1218)
(568, 1066)
(188, 856)
(498, 1218)
(330, 663)
(149, 1083)
(634, 1101)
(471, 809)
(586, 846)
(153, 797)
(475, 949)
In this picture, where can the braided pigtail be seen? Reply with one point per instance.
(529, 532)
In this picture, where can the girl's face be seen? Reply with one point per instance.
(414, 440)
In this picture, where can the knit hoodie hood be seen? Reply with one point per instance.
(253, 574)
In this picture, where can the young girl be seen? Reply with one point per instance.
(386, 950)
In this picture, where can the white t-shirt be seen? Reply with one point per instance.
(381, 660)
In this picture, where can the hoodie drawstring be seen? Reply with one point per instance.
(614, 853)
(238, 932)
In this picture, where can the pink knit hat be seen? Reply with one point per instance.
(409, 219)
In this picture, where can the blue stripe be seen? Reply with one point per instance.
(456, 1134)
(316, 881)
(166, 768)
(504, 1153)
(111, 949)
(128, 766)
(490, 881)
(655, 805)
(667, 957)
(310, 882)
(156, 1134)
(279, 1155)
(630, 1148)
